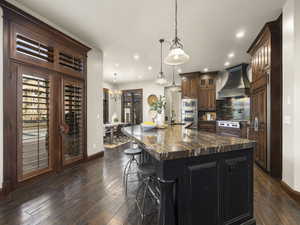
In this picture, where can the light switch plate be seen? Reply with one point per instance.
(287, 120)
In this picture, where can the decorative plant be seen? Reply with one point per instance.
(160, 105)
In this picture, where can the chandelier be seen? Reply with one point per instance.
(176, 55)
(115, 94)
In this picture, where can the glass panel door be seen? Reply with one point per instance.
(34, 153)
(132, 106)
(72, 126)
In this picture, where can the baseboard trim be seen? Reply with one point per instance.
(294, 194)
(95, 156)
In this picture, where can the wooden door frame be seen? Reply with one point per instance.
(10, 69)
(106, 91)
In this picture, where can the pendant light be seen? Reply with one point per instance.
(176, 55)
(173, 87)
(161, 80)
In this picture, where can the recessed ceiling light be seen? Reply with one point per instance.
(231, 55)
(227, 64)
(240, 34)
(205, 69)
(149, 67)
(179, 70)
(117, 65)
(136, 56)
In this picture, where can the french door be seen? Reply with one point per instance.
(35, 124)
(50, 122)
(72, 126)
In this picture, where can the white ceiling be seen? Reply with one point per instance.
(122, 28)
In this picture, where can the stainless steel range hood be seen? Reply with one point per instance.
(237, 84)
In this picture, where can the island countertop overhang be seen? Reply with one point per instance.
(177, 142)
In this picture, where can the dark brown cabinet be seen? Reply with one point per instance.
(208, 126)
(189, 85)
(207, 92)
(266, 97)
(201, 87)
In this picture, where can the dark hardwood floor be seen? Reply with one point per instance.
(92, 193)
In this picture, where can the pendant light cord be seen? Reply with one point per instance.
(161, 54)
(173, 76)
(176, 9)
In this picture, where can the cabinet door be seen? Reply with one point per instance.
(237, 190)
(211, 83)
(202, 194)
(211, 104)
(259, 125)
(186, 88)
(202, 82)
(202, 99)
(194, 88)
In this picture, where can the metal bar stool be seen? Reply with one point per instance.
(132, 153)
(147, 189)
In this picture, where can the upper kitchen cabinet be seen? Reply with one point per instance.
(201, 87)
(266, 97)
(189, 85)
(207, 91)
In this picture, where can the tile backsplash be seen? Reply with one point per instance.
(233, 109)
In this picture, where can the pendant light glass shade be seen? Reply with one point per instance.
(176, 57)
(161, 80)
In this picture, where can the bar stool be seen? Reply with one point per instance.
(132, 153)
(147, 189)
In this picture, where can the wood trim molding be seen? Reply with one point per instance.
(95, 156)
(291, 192)
(13, 15)
(10, 7)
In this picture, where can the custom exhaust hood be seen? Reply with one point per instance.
(237, 84)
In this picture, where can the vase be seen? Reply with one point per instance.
(160, 119)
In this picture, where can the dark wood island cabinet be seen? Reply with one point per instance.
(204, 178)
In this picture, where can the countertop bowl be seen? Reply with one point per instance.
(147, 127)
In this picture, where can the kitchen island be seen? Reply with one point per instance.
(204, 178)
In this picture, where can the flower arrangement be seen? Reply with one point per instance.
(159, 106)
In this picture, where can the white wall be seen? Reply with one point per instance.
(94, 103)
(149, 88)
(94, 100)
(1, 97)
(291, 93)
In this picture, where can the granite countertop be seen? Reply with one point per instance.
(177, 142)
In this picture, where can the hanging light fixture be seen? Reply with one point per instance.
(161, 80)
(176, 55)
(115, 94)
(173, 87)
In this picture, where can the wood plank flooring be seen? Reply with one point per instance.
(92, 194)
